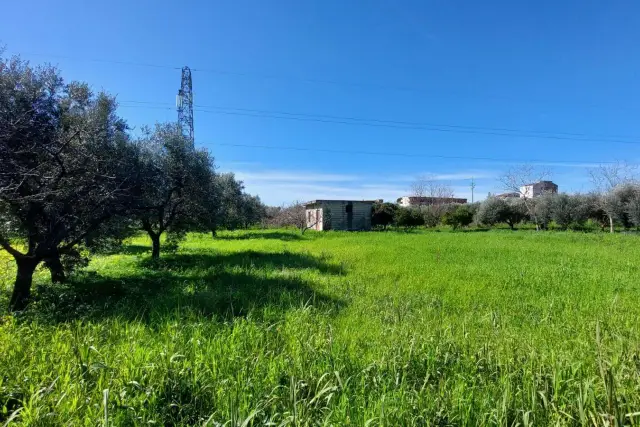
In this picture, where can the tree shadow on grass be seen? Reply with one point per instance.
(271, 235)
(221, 287)
(248, 260)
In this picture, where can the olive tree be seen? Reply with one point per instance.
(492, 211)
(462, 216)
(382, 214)
(495, 210)
(68, 169)
(605, 180)
(566, 209)
(632, 206)
(515, 179)
(174, 185)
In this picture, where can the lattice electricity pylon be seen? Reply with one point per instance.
(184, 104)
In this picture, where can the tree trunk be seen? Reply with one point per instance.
(55, 268)
(155, 245)
(611, 223)
(22, 286)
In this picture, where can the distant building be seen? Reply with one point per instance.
(538, 189)
(513, 195)
(408, 201)
(339, 214)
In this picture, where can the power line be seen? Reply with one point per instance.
(360, 119)
(385, 124)
(373, 86)
(397, 154)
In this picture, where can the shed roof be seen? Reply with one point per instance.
(313, 202)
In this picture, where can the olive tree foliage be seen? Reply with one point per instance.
(462, 216)
(173, 183)
(568, 210)
(231, 207)
(252, 210)
(494, 210)
(408, 218)
(382, 214)
(606, 179)
(67, 169)
(515, 178)
(632, 208)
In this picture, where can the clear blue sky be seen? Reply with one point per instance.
(558, 66)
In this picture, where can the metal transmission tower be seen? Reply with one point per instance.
(184, 104)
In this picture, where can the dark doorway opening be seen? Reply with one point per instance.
(349, 211)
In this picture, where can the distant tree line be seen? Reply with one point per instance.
(618, 207)
(73, 180)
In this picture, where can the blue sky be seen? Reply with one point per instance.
(569, 66)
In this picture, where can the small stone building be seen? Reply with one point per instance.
(539, 188)
(339, 214)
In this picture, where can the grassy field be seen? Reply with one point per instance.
(274, 328)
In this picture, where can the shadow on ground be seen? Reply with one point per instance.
(247, 260)
(217, 286)
(273, 235)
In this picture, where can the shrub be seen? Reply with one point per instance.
(408, 218)
(461, 217)
(492, 211)
(383, 214)
(568, 211)
(431, 216)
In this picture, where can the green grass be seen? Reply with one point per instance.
(270, 327)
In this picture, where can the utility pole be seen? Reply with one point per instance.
(473, 187)
(184, 104)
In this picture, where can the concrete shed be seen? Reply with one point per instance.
(339, 214)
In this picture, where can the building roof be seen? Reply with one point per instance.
(540, 182)
(313, 202)
(428, 198)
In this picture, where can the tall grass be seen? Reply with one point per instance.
(274, 328)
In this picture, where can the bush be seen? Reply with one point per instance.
(461, 217)
(408, 218)
(569, 211)
(383, 214)
(431, 216)
(492, 211)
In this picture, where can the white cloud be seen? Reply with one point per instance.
(276, 187)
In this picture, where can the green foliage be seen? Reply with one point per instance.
(68, 168)
(568, 210)
(462, 216)
(408, 218)
(383, 214)
(432, 215)
(492, 211)
(173, 184)
(274, 328)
